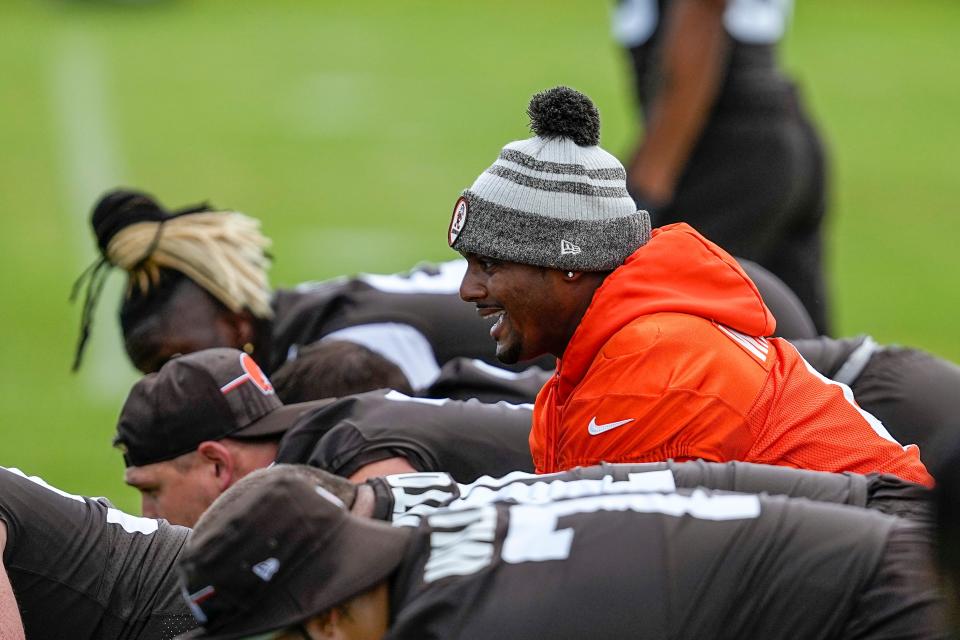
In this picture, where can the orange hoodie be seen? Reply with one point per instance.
(669, 362)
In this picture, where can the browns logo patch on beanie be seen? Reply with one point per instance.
(554, 200)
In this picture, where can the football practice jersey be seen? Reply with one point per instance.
(684, 565)
(466, 439)
(473, 379)
(840, 359)
(416, 320)
(83, 569)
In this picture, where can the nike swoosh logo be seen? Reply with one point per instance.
(595, 429)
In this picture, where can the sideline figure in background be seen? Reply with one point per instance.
(660, 335)
(727, 145)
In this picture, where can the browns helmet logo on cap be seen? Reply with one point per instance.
(194, 600)
(458, 220)
(251, 373)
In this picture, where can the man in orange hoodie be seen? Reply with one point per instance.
(660, 336)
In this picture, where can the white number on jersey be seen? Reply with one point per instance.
(533, 536)
(484, 491)
(417, 495)
(465, 550)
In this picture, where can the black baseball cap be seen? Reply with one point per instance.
(278, 550)
(206, 395)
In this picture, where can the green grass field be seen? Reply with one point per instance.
(349, 129)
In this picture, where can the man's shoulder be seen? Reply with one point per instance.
(685, 341)
(661, 331)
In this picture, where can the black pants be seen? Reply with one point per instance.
(901, 600)
(756, 185)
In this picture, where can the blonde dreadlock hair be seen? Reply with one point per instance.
(223, 252)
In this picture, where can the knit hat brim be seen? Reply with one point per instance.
(491, 230)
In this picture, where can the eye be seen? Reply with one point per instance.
(488, 264)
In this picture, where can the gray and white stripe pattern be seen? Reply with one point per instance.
(553, 203)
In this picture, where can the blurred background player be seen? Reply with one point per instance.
(197, 278)
(727, 145)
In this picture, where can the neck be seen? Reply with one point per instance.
(585, 288)
(364, 502)
(262, 343)
(249, 457)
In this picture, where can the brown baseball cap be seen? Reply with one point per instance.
(206, 395)
(277, 551)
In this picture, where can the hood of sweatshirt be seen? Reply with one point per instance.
(677, 271)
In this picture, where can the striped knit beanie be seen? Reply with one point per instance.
(555, 200)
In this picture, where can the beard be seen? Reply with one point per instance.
(509, 353)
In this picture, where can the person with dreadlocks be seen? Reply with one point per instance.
(197, 278)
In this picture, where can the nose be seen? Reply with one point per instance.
(471, 287)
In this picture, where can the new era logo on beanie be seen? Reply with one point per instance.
(555, 200)
(568, 248)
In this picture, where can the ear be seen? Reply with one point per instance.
(560, 278)
(242, 328)
(218, 456)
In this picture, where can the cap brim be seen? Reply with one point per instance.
(380, 548)
(279, 420)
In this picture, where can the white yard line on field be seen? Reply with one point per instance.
(90, 165)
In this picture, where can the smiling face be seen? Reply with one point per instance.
(528, 306)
